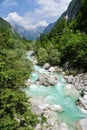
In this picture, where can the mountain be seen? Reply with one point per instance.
(7, 27)
(29, 34)
(48, 28)
(70, 13)
(73, 9)
(81, 18)
(4, 23)
(67, 40)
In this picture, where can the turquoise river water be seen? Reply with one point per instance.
(56, 95)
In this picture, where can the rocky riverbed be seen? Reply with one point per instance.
(80, 82)
(47, 115)
(51, 94)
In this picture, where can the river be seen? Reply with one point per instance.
(56, 95)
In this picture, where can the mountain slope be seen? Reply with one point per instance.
(67, 41)
(15, 112)
(48, 28)
(81, 19)
(71, 12)
(73, 9)
(29, 34)
(4, 23)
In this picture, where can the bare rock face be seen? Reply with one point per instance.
(82, 124)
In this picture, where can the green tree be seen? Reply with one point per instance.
(42, 56)
(15, 111)
(54, 57)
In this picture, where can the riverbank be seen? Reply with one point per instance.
(57, 93)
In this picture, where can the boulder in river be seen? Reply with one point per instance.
(70, 90)
(63, 126)
(69, 78)
(56, 108)
(39, 106)
(82, 124)
(46, 66)
(51, 69)
(47, 80)
(79, 81)
(83, 102)
(85, 97)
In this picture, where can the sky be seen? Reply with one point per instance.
(32, 13)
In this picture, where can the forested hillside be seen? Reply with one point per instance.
(15, 112)
(65, 46)
(66, 43)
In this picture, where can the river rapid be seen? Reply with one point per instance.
(56, 94)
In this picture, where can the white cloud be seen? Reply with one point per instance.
(48, 8)
(24, 22)
(42, 23)
(47, 11)
(51, 8)
(7, 3)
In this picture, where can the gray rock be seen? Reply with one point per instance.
(47, 80)
(70, 90)
(82, 124)
(38, 127)
(80, 81)
(37, 110)
(52, 122)
(83, 102)
(46, 66)
(28, 82)
(63, 126)
(51, 69)
(58, 69)
(56, 108)
(69, 78)
(85, 97)
(34, 60)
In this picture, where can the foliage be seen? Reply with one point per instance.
(67, 41)
(42, 56)
(80, 22)
(15, 112)
(74, 49)
(54, 57)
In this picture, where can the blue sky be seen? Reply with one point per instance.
(32, 13)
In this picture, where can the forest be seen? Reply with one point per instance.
(66, 43)
(15, 111)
